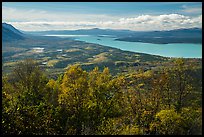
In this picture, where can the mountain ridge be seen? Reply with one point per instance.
(182, 35)
(10, 33)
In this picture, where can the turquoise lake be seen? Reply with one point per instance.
(185, 50)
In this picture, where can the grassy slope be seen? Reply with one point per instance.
(86, 54)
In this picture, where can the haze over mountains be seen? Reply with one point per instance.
(192, 35)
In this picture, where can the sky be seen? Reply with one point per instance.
(138, 16)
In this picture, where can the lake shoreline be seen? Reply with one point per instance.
(172, 50)
(158, 42)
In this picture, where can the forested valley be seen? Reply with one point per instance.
(165, 101)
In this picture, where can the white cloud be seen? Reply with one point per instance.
(161, 22)
(31, 20)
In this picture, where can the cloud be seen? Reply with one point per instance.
(161, 22)
(193, 10)
(37, 20)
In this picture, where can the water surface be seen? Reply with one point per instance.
(185, 50)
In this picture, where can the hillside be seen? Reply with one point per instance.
(56, 54)
(59, 86)
(79, 102)
(9, 33)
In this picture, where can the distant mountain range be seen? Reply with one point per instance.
(94, 31)
(191, 35)
(191, 32)
(9, 33)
